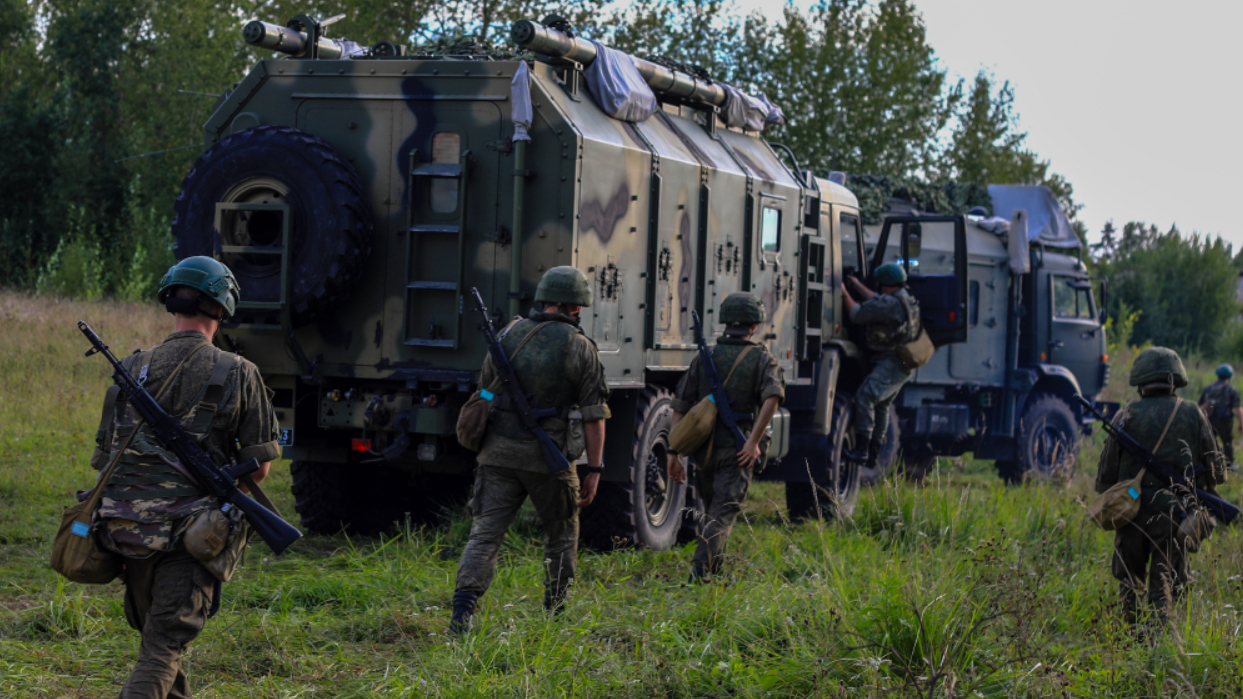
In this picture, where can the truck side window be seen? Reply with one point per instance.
(770, 230)
(1072, 298)
(852, 255)
(446, 148)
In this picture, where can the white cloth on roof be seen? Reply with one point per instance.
(617, 87)
(520, 94)
(1047, 224)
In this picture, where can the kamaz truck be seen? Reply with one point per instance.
(1035, 339)
(359, 194)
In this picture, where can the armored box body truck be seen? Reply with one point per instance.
(359, 199)
(1036, 338)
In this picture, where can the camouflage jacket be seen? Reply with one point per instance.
(891, 320)
(1218, 400)
(151, 494)
(561, 368)
(1188, 444)
(757, 379)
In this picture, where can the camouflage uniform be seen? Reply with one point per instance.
(1147, 547)
(150, 498)
(561, 368)
(891, 320)
(1219, 399)
(721, 481)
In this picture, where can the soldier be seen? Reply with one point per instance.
(560, 368)
(1220, 403)
(891, 319)
(168, 593)
(723, 469)
(1179, 434)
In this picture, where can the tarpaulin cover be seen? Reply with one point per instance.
(749, 112)
(1016, 245)
(617, 87)
(520, 93)
(1046, 222)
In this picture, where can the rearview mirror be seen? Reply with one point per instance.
(913, 235)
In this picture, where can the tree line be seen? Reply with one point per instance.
(102, 104)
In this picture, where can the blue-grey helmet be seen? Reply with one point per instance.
(210, 277)
(1224, 371)
(891, 274)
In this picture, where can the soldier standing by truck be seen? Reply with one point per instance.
(149, 501)
(1179, 435)
(560, 368)
(891, 319)
(1220, 403)
(754, 383)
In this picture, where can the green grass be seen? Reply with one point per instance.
(960, 588)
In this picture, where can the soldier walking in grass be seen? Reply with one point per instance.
(891, 319)
(149, 501)
(1220, 403)
(560, 368)
(1149, 559)
(754, 384)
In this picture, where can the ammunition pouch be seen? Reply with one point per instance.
(217, 539)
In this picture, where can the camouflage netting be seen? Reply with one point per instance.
(951, 197)
(465, 46)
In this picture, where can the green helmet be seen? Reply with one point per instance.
(742, 307)
(564, 285)
(1158, 365)
(1224, 371)
(891, 274)
(209, 276)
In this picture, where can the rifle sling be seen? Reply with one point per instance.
(737, 363)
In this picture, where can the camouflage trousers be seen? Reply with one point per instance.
(875, 394)
(723, 486)
(498, 495)
(1147, 550)
(167, 597)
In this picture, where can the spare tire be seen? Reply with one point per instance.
(330, 226)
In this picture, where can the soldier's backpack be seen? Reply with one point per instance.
(1216, 405)
(472, 422)
(917, 352)
(1116, 507)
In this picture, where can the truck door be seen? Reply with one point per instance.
(933, 251)
(1075, 339)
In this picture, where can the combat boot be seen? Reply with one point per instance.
(861, 453)
(698, 575)
(463, 610)
(554, 602)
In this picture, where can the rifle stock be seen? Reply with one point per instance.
(1222, 510)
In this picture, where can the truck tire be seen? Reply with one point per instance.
(1048, 443)
(329, 500)
(331, 220)
(888, 455)
(649, 510)
(835, 498)
(918, 460)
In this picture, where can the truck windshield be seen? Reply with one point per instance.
(1072, 298)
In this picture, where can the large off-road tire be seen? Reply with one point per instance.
(330, 226)
(1048, 440)
(836, 496)
(888, 456)
(330, 499)
(918, 460)
(649, 510)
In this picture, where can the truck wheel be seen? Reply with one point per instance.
(330, 226)
(1048, 438)
(888, 456)
(328, 501)
(919, 460)
(836, 497)
(692, 513)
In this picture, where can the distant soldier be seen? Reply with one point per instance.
(1178, 433)
(891, 318)
(1220, 403)
(146, 504)
(724, 469)
(560, 368)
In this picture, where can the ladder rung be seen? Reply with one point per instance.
(429, 343)
(434, 228)
(437, 170)
(439, 286)
(253, 249)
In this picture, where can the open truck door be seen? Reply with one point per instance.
(933, 251)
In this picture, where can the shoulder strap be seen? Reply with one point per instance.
(737, 363)
(213, 393)
(1178, 403)
(530, 335)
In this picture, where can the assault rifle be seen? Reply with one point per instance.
(530, 417)
(1222, 510)
(724, 411)
(217, 481)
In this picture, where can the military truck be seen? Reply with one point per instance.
(1036, 338)
(359, 194)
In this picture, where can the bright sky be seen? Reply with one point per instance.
(1135, 102)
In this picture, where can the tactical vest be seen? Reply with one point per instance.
(882, 336)
(740, 389)
(540, 367)
(147, 470)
